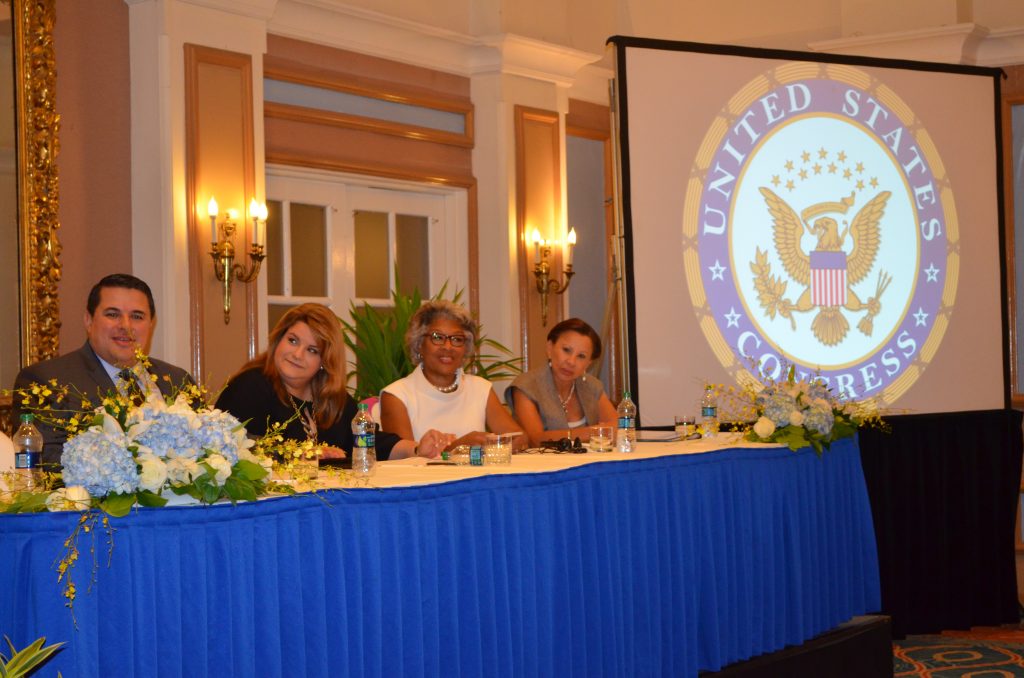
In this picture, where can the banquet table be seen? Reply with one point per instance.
(682, 557)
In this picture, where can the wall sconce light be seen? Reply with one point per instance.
(223, 248)
(542, 270)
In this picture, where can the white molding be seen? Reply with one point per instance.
(1002, 47)
(592, 84)
(957, 43)
(367, 32)
(535, 59)
(254, 9)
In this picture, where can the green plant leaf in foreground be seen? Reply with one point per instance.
(28, 659)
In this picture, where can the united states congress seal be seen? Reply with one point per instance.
(820, 231)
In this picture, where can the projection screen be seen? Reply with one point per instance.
(838, 214)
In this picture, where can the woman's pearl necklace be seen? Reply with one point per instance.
(450, 388)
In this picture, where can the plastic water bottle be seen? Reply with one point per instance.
(28, 451)
(626, 437)
(364, 443)
(709, 412)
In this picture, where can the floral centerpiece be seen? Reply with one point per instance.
(121, 454)
(803, 412)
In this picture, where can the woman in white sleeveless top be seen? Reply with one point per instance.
(439, 394)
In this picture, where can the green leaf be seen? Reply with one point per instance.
(794, 437)
(27, 660)
(118, 505)
(248, 470)
(376, 339)
(27, 502)
(147, 498)
(239, 489)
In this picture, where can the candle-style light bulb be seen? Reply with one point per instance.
(571, 240)
(536, 246)
(212, 210)
(262, 214)
(254, 214)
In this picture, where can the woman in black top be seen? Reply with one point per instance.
(304, 369)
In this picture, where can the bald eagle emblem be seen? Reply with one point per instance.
(839, 260)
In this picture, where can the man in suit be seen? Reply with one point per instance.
(120, 316)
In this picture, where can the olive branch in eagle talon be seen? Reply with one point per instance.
(770, 289)
(829, 325)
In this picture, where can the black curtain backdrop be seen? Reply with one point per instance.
(943, 491)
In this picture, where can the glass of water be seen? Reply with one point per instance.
(498, 448)
(686, 425)
(602, 438)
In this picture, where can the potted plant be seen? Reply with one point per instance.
(25, 661)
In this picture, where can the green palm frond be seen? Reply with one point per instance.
(376, 338)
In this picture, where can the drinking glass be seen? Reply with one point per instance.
(602, 438)
(686, 425)
(498, 448)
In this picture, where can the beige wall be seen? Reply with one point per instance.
(91, 44)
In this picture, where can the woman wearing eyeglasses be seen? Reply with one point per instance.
(439, 394)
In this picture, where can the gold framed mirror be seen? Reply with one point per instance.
(29, 125)
(37, 138)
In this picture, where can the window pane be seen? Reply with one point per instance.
(309, 250)
(371, 255)
(413, 258)
(274, 313)
(274, 263)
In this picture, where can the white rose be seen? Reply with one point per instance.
(152, 472)
(75, 498)
(796, 417)
(78, 497)
(182, 471)
(764, 427)
(220, 466)
(245, 454)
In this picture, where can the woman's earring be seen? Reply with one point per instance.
(418, 357)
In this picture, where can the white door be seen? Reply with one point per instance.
(337, 239)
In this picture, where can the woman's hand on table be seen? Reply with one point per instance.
(329, 452)
(472, 438)
(433, 443)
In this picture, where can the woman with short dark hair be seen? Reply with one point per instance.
(560, 399)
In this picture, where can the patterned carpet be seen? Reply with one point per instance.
(979, 653)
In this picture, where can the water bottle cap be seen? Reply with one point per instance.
(363, 407)
(26, 418)
(625, 394)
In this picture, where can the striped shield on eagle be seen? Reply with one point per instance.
(828, 278)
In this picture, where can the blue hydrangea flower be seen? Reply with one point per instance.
(820, 419)
(167, 431)
(777, 406)
(220, 432)
(100, 462)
